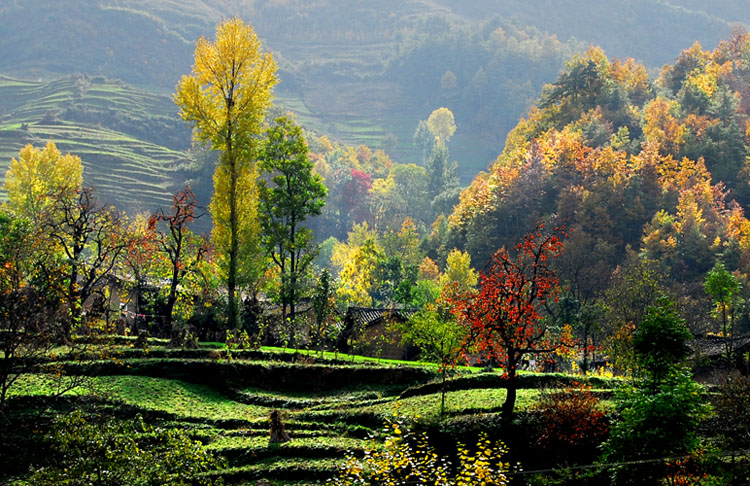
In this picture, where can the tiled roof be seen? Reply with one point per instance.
(369, 315)
(716, 346)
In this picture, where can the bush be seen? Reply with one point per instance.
(107, 452)
(408, 458)
(572, 424)
(660, 412)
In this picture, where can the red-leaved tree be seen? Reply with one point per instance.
(503, 315)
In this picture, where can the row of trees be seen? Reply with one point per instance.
(265, 189)
(365, 185)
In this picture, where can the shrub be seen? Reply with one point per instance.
(659, 413)
(239, 339)
(572, 423)
(114, 453)
(408, 458)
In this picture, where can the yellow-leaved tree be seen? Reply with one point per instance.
(36, 176)
(226, 98)
(459, 277)
(442, 125)
(355, 263)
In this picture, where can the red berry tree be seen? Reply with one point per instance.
(504, 314)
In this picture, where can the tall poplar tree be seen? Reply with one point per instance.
(292, 194)
(226, 97)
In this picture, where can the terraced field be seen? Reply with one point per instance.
(329, 407)
(132, 143)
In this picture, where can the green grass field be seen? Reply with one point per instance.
(233, 420)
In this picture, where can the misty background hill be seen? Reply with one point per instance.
(362, 72)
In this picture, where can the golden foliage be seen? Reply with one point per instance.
(226, 97)
(408, 458)
(37, 175)
(441, 125)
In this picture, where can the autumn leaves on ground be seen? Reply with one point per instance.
(354, 320)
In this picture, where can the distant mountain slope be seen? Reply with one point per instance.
(131, 142)
(149, 42)
(728, 10)
(651, 31)
(361, 70)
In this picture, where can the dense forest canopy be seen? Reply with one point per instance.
(653, 169)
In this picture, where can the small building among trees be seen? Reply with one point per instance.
(713, 355)
(370, 332)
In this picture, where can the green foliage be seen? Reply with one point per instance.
(635, 286)
(105, 452)
(724, 289)
(18, 257)
(659, 414)
(238, 339)
(436, 333)
(657, 422)
(425, 292)
(439, 337)
(660, 341)
(291, 195)
(407, 457)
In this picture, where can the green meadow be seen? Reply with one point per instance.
(216, 397)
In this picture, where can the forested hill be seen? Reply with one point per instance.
(650, 174)
(360, 70)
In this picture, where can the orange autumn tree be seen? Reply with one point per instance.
(504, 315)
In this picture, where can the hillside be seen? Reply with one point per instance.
(131, 142)
(362, 70)
(644, 171)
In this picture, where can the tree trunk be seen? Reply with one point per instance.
(74, 302)
(585, 364)
(512, 386)
(293, 282)
(233, 321)
(442, 393)
(3, 394)
(510, 400)
(169, 310)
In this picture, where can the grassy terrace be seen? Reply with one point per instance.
(225, 401)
